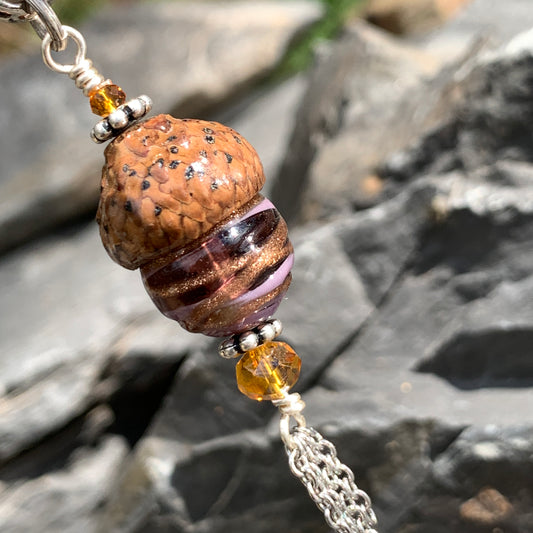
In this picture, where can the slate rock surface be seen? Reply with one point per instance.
(413, 314)
(355, 91)
(388, 93)
(68, 499)
(392, 402)
(486, 20)
(490, 123)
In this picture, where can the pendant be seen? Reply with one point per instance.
(180, 200)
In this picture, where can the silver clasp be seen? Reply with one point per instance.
(40, 15)
(14, 12)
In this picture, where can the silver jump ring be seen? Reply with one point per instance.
(77, 37)
(47, 23)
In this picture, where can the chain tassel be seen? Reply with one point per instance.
(330, 483)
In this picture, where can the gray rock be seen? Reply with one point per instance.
(76, 306)
(326, 295)
(489, 20)
(491, 463)
(488, 122)
(435, 359)
(347, 122)
(381, 241)
(50, 170)
(64, 501)
(162, 489)
(371, 96)
(414, 319)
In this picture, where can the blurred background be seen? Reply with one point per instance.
(396, 137)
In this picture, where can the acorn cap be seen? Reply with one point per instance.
(167, 182)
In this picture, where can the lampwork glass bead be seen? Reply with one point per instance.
(268, 371)
(180, 199)
(106, 98)
(229, 281)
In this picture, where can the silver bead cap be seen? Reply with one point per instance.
(121, 119)
(248, 340)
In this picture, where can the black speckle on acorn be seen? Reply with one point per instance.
(189, 173)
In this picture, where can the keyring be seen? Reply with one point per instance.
(46, 48)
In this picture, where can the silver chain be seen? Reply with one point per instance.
(330, 483)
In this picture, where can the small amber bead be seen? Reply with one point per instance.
(266, 372)
(104, 99)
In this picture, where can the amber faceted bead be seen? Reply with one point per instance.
(106, 98)
(268, 371)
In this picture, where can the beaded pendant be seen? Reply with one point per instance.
(180, 200)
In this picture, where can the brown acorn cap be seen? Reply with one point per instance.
(167, 181)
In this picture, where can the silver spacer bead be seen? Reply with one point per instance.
(228, 350)
(278, 327)
(147, 102)
(243, 342)
(118, 119)
(122, 118)
(248, 341)
(101, 132)
(137, 108)
(266, 332)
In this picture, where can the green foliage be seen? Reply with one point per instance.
(74, 11)
(337, 12)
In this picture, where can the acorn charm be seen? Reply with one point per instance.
(180, 200)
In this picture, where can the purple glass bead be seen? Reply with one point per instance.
(230, 280)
